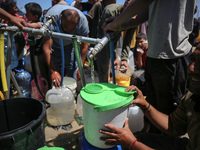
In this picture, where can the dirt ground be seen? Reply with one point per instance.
(69, 140)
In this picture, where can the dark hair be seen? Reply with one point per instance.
(68, 12)
(141, 36)
(34, 8)
(8, 4)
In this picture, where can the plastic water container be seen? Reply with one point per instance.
(62, 107)
(103, 103)
(124, 79)
(23, 79)
(79, 106)
(136, 118)
(70, 83)
(43, 86)
(87, 146)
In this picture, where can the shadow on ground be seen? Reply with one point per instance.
(69, 140)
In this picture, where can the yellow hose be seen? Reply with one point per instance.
(1, 96)
(2, 64)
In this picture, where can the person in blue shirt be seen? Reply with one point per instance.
(70, 21)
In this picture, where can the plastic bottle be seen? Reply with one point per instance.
(14, 59)
(123, 79)
(136, 118)
(24, 81)
(62, 107)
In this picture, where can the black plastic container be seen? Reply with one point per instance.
(22, 124)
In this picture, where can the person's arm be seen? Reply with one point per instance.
(34, 25)
(84, 49)
(122, 136)
(136, 7)
(126, 48)
(139, 58)
(55, 76)
(159, 119)
(16, 21)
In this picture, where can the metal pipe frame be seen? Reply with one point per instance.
(100, 43)
(78, 59)
(45, 32)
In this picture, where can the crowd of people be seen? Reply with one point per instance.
(161, 35)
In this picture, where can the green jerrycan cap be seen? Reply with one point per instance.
(106, 96)
(51, 148)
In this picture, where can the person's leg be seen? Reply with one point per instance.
(102, 61)
(70, 61)
(162, 142)
(168, 78)
(165, 83)
(103, 58)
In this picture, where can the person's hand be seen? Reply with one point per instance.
(18, 22)
(139, 98)
(78, 5)
(140, 52)
(108, 25)
(55, 78)
(119, 136)
(125, 66)
(78, 76)
(116, 63)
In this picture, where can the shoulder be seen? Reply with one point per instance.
(97, 4)
(113, 9)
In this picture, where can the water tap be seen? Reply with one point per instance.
(50, 20)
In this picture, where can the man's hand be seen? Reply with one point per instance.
(55, 78)
(140, 52)
(118, 136)
(108, 25)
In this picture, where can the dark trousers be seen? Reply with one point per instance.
(162, 142)
(165, 81)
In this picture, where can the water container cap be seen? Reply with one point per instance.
(51, 148)
(106, 96)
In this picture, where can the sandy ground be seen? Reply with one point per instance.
(69, 140)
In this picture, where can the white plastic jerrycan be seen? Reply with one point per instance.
(62, 107)
(136, 118)
(103, 103)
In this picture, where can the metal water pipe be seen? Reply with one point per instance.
(78, 59)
